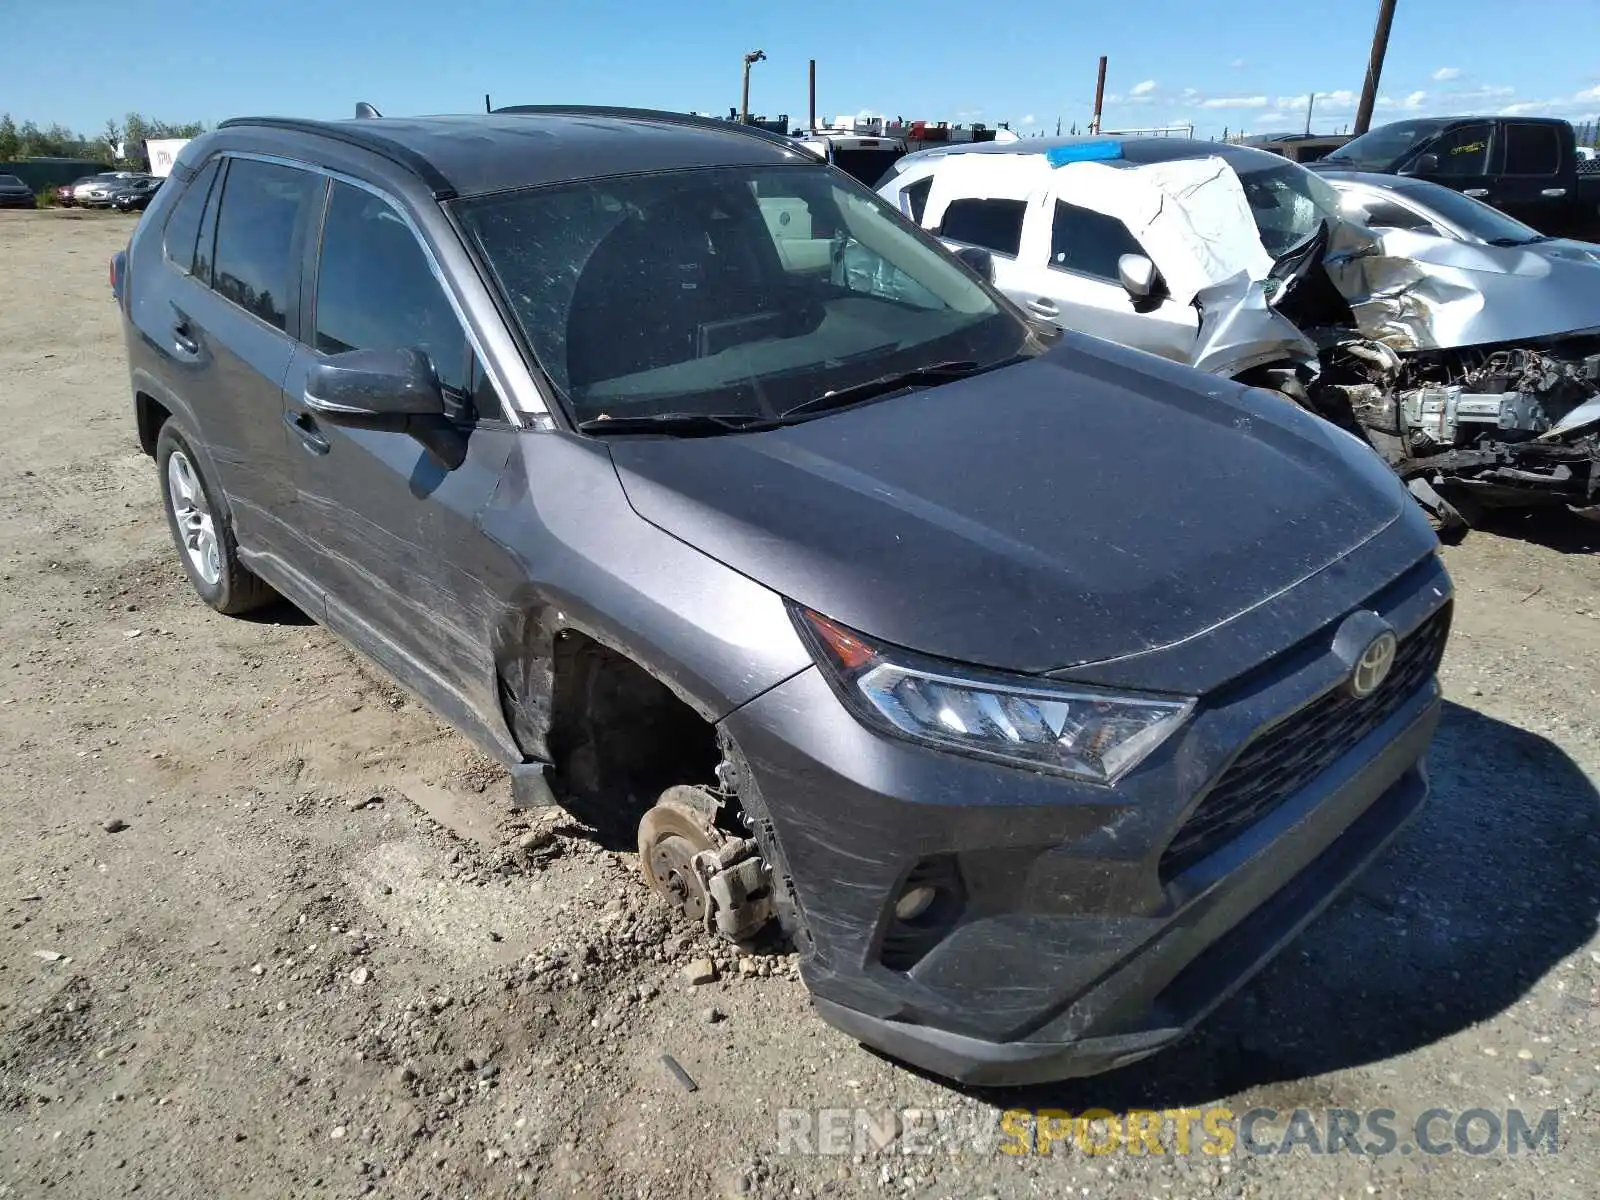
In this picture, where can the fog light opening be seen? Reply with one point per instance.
(915, 901)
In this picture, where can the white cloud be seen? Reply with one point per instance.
(1143, 89)
(1027, 120)
(1234, 102)
(1446, 74)
(1237, 63)
(1588, 94)
(1326, 101)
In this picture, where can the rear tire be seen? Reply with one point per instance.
(201, 531)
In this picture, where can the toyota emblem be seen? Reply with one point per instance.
(1372, 668)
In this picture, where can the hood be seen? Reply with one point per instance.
(1417, 291)
(1089, 504)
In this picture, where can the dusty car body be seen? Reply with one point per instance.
(1470, 367)
(787, 546)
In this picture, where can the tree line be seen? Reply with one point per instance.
(29, 140)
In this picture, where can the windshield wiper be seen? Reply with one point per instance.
(870, 389)
(1516, 241)
(682, 424)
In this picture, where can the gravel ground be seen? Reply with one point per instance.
(270, 927)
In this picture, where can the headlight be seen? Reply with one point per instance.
(1084, 732)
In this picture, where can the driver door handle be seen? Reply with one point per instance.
(1553, 193)
(1475, 193)
(306, 430)
(1045, 308)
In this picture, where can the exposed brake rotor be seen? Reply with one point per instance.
(716, 879)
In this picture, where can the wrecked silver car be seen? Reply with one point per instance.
(1473, 369)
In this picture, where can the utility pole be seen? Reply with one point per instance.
(1099, 96)
(1380, 47)
(750, 60)
(1311, 103)
(811, 91)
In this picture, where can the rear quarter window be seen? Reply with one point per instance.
(183, 226)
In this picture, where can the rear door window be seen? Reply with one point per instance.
(1089, 243)
(996, 225)
(1532, 150)
(263, 207)
(376, 289)
(183, 226)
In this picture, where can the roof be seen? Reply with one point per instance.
(474, 153)
(1135, 150)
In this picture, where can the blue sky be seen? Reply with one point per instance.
(1227, 63)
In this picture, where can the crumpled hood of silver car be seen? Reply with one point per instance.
(1420, 292)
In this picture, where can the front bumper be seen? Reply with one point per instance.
(1077, 945)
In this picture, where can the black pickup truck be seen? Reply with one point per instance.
(1525, 166)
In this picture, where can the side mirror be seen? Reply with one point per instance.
(392, 391)
(1423, 164)
(978, 260)
(373, 388)
(1137, 275)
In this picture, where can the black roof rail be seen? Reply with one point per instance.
(363, 136)
(648, 114)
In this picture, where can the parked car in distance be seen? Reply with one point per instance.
(1040, 694)
(1397, 202)
(1527, 167)
(15, 194)
(865, 158)
(1298, 147)
(96, 192)
(134, 195)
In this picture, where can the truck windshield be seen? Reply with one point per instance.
(1382, 148)
(734, 291)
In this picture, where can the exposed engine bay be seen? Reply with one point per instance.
(1468, 428)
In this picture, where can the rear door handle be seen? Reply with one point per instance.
(183, 338)
(306, 430)
(1554, 193)
(1475, 193)
(1044, 308)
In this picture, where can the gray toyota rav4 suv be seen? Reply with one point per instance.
(1040, 693)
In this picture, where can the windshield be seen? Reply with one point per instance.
(732, 290)
(1384, 146)
(1289, 203)
(1472, 217)
(11, 181)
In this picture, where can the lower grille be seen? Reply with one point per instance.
(1287, 757)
